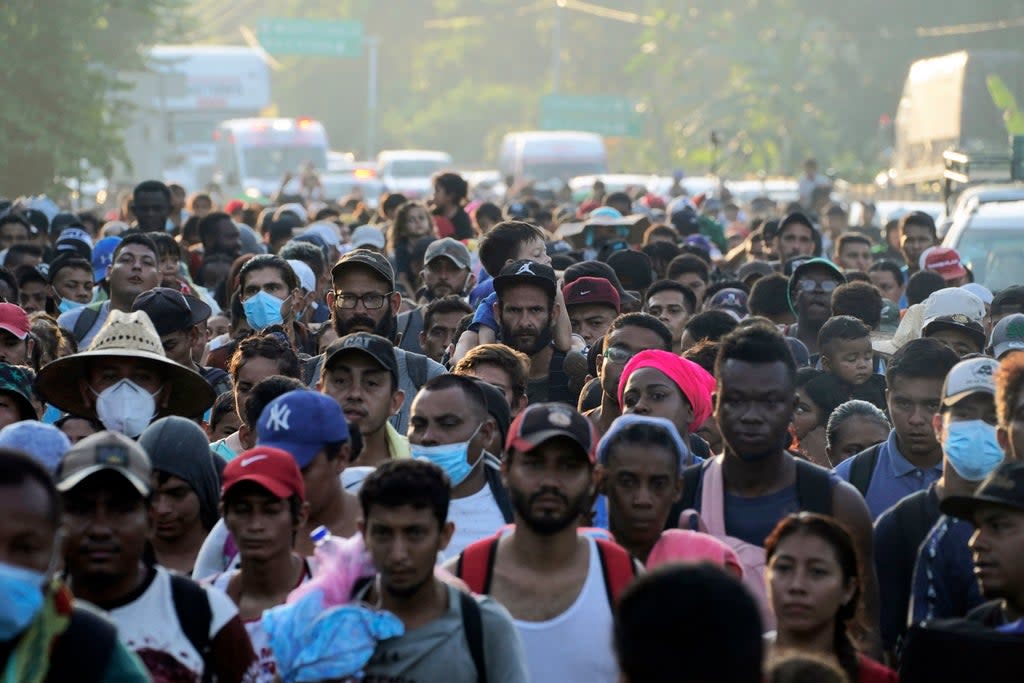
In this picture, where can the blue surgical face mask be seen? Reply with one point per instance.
(68, 305)
(21, 598)
(453, 458)
(263, 310)
(972, 449)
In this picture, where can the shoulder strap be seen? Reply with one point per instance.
(617, 568)
(192, 606)
(558, 380)
(813, 488)
(85, 322)
(862, 467)
(500, 493)
(691, 487)
(83, 651)
(416, 366)
(472, 624)
(475, 565)
(914, 522)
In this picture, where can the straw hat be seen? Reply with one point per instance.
(124, 335)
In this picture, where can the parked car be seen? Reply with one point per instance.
(990, 241)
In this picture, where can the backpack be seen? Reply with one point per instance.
(472, 626)
(83, 651)
(85, 322)
(862, 466)
(475, 566)
(192, 607)
(814, 494)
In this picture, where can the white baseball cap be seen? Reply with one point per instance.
(305, 274)
(972, 376)
(953, 301)
(368, 236)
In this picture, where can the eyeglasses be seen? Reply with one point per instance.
(618, 354)
(810, 285)
(370, 301)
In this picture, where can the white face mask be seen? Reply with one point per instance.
(126, 407)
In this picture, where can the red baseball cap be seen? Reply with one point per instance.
(273, 469)
(945, 262)
(14, 319)
(234, 205)
(591, 290)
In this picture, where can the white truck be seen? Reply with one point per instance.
(254, 155)
(176, 105)
(946, 105)
(551, 157)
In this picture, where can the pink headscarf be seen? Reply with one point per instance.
(693, 380)
(683, 545)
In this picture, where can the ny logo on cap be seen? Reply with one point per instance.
(526, 268)
(279, 415)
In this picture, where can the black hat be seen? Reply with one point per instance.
(38, 220)
(1009, 300)
(1003, 486)
(526, 272)
(170, 310)
(378, 263)
(376, 347)
(796, 218)
(633, 268)
(957, 321)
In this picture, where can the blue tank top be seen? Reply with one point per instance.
(752, 519)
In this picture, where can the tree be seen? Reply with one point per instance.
(61, 61)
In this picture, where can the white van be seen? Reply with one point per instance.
(409, 171)
(544, 156)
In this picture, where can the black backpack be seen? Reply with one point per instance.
(192, 606)
(862, 466)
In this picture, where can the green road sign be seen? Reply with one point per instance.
(609, 115)
(319, 37)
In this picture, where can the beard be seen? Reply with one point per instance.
(541, 340)
(385, 328)
(546, 524)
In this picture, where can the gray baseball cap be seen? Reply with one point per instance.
(450, 248)
(1007, 335)
(972, 376)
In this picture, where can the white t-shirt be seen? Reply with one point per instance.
(257, 635)
(475, 517)
(149, 626)
(575, 645)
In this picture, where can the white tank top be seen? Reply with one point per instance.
(575, 646)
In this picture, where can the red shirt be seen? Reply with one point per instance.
(873, 672)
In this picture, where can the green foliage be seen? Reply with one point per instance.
(1003, 98)
(61, 60)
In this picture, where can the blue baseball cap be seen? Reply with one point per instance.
(46, 443)
(301, 422)
(103, 256)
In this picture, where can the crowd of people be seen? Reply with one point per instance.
(645, 439)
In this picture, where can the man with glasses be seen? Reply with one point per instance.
(627, 336)
(810, 297)
(363, 299)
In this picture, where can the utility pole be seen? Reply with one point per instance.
(372, 43)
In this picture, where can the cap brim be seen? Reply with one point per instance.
(329, 359)
(302, 452)
(959, 396)
(275, 486)
(13, 330)
(937, 323)
(447, 256)
(524, 444)
(68, 483)
(999, 349)
(501, 283)
(189, 394)
(964, 507)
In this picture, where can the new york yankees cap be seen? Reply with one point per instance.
(300, 423)
(271, 468)
(526, 272)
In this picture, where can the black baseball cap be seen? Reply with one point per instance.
(957, 321)
(376, 347)
(1003, 486)
(526, 272)
(543, 421)
(378, 263)
(170, 310)
(1009, 300)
